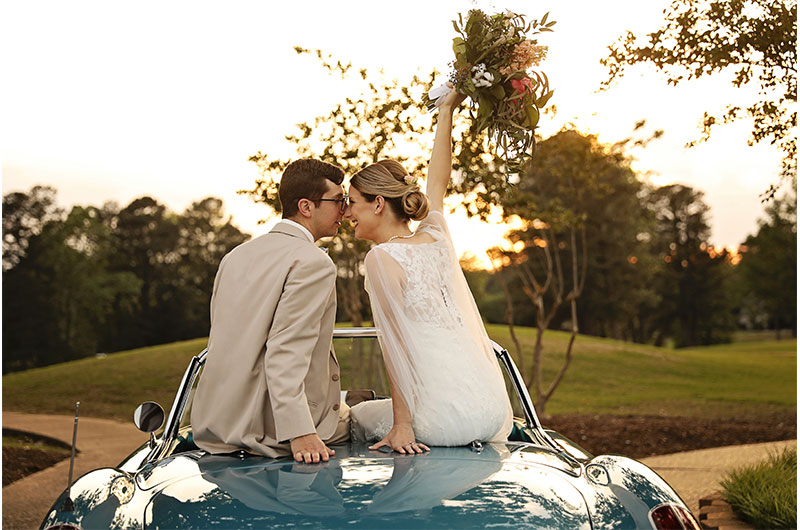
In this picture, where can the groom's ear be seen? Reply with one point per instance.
(304, 207)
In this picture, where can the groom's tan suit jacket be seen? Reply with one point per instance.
(271, 374)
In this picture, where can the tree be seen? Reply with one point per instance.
(769, 264)
(205, 235)
(24, 216)
(754, 40)
(620, 267)
(146, 243)
(104, 278)
(695, 306)
(572, 178)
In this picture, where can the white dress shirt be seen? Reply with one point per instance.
(301, 227)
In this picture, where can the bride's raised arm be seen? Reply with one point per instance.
(442, 156)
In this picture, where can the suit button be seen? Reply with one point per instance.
(335, 377)
(336, 407)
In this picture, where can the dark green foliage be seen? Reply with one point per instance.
(101, 279)
(24, 216)
(58, 298)
(695, 307)
(578, 197)
(769, 267)
(577, 181)
(176, 258)
(765, 494)
(205, 235)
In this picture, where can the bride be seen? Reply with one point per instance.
(446, 385)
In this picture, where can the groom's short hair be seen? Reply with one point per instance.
(305, 179)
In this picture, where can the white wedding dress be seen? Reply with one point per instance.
(434, 345)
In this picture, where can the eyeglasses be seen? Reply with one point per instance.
(342, 202)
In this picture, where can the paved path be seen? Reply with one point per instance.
(103, 443)
(696, 474)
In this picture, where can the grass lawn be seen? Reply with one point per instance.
(746, 380)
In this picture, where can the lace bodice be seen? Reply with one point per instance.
(428, 291)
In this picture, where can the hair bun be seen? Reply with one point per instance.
(415, 204)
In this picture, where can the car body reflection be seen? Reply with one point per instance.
(361, 488)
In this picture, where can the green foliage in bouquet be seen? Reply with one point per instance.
(493, 66)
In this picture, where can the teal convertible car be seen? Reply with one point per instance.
(536, 479)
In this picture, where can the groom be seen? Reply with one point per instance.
(271, 380)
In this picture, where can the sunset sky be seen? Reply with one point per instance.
(112, 101)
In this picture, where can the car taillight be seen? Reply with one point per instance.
(672, 517)
(688, 520)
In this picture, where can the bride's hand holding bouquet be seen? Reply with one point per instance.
(494, 60)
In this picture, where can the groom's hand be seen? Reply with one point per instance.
(309, 448)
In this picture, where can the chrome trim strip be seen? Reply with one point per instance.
(525, 401)
(351, 333)
(531, 419)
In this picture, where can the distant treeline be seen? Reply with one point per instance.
(105, 279)
(101, 279)
(652, 275)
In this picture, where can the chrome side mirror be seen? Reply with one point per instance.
(149, 417)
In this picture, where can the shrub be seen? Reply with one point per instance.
(765, 494)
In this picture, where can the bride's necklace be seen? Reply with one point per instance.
(399, 237)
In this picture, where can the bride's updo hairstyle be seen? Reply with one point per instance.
(390, 180)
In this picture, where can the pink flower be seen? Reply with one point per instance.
(521, 86)
(524, 55)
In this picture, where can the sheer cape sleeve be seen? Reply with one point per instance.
(433, 339)
(384, 281)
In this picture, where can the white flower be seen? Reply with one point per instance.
(480, 77)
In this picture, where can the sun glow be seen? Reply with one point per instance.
(178, 114)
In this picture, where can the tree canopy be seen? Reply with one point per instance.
(753, 41)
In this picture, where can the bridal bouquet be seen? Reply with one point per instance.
(495, 56)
